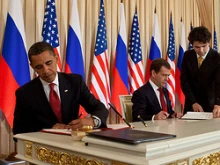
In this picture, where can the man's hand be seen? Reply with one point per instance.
(177, 115)
(197, 108)
(161, 116)
(216, 111)
(59, 126)
(79, 123)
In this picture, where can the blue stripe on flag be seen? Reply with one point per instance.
(15, 53)
(154, 50)
(180, 58)
(121, 62)
(74, 53)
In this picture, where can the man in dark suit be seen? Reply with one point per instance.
(147, 101)
(200, 75)
(34, 111)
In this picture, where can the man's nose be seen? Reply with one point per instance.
(45, 69)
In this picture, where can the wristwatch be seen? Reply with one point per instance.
(96, 121)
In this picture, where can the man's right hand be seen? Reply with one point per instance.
(161, 116)
(197, 108)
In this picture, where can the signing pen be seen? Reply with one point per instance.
(80, 115)
(139, 117)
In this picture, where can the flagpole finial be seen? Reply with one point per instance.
(181, 20)
(155, 11)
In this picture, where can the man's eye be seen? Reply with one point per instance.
(38, 67)
(49, 63)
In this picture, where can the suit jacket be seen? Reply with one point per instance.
(146, 104)
(201, 85)
(33, 111)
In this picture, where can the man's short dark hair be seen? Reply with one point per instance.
(158, 63)
(200, 34)
(38, 48)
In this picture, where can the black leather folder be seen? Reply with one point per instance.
(130, 136)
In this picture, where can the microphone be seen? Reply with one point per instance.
(113, 107)
(139, 117)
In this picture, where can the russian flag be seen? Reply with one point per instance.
(120, 69)
(14, 67)
(74, 56)
(155, 47)
(182, 49)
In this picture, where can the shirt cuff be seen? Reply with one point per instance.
(98, 123)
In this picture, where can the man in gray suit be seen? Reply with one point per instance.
(33, 110)
(200, 75)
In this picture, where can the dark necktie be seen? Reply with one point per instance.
(55, 102)
(162, 100)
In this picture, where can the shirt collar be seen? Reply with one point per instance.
(55, 81)
(154, 86)
(204, 55)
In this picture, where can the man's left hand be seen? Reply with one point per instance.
(79, 123)
(216, 111)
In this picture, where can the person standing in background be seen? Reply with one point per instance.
(200, 75)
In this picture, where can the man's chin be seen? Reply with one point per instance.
(49, 80)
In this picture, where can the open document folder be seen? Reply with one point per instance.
(198, 116)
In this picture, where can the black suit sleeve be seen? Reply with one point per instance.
(140, 106)
(92, 105)
(187, 69)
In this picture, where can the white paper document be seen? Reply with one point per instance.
(58, 131)
(198, 115)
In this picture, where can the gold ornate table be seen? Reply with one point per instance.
(197, 142)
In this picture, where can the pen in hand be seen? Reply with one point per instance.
(80, 115)
(139, 117)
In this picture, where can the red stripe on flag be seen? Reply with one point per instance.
(67, 68)
(120, 89)
(8, 86)
(59, 61)
(179, 91)
(99, 80)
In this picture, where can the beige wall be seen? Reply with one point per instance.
(197, 12)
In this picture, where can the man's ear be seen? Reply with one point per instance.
(31, 65)
(56, 56)
(153, 73)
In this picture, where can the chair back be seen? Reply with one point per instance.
(126, 106)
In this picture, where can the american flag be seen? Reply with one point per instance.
(100, 73)
(215, 45)
(171, 60)
(135, 65)
(50, 29)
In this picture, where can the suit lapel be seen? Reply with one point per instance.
(152, 96)
(65, 95)
(194, 62)
(169, 106)
(40, 98)
(207, 62)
